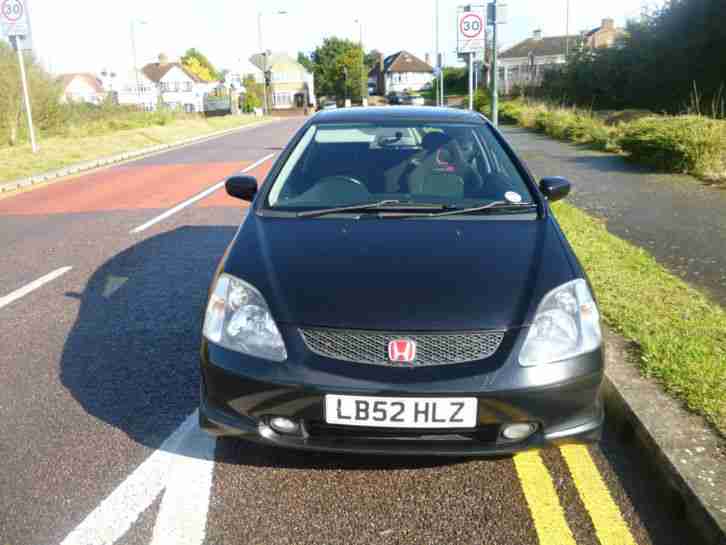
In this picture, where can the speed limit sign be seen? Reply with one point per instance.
(471, 31)
(14, 17)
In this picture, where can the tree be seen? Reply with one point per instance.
(199, 65)
(254, 93)
(372, 58)
(337, 68)
(670, 60)
(44, 96)
(306, 61)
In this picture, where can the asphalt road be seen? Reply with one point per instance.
(679, 220)
(99, 389)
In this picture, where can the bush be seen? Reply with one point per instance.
(483, 102)
(689, 144)
(684, 144)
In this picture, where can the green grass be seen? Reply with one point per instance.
(85, 144)
(686, 144)
(680, 332)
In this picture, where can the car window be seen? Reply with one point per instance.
(350, 164)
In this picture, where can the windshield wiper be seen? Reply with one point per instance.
(496, 205)
(395, 204)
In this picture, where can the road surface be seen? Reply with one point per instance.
(102, 282)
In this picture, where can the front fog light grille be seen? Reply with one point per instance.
(371, 347)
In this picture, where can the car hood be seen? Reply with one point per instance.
(404, 275)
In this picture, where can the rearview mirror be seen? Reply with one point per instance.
(241, 187)
(554, 188)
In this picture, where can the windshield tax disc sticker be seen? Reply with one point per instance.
(513, 197)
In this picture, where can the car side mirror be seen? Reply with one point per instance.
(241, 187)
(555, 188)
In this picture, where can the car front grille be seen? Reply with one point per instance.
(371, 347)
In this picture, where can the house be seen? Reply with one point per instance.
(525, 63)
(400, 72)
(604, 35)
(81, 87)
(177, 86)
(136, 89)
(291, 85)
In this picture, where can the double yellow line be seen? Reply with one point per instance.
(544, 504)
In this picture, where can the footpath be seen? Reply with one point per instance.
(676, 218)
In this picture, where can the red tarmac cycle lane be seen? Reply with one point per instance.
(125, 187)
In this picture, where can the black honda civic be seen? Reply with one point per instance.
(400, 285)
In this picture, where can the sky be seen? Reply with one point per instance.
(91, 35)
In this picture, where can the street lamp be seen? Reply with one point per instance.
(264, 53)
(134, 22)
(363, 85)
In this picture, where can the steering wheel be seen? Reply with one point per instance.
(339, 189)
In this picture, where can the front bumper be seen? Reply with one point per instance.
(240, 394)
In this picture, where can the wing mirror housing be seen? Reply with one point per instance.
(555, 188)
(241, 187)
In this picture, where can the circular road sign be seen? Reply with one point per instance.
(12, 10)
(471, 25)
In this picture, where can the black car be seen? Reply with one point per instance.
(400, 285)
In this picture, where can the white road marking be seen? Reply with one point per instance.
(34, 285)
(182, 517)
(195, 198)
(115, 515)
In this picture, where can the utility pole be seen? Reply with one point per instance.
(471, 81)
(495, 68)
(265, 54)
(264, 62)
(438, 58)
(26, 95)
(133, 50)
(567, 31)
(363, 84)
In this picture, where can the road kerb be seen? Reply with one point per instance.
(57, 175)
(688, 457)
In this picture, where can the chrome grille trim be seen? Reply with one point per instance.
(371, 347)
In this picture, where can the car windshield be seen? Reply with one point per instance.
(456, 165)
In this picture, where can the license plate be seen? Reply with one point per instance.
(401, 412)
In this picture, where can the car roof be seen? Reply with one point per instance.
(383, 114)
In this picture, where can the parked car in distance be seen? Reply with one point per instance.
(413, 99)
(400, 285)
(394, 98)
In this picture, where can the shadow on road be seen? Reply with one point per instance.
(246, 453)
(607, 163)
(131, 359)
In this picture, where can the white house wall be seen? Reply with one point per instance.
(407, 81)
(180, 91)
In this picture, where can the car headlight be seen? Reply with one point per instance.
(239, 319)
(566, 325)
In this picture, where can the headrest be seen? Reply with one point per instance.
(434, 140)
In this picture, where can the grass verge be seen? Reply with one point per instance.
(59, 151)
(681, 333)
(686, 144)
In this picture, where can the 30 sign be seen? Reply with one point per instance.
(471, 25)
(14, 17)
(471, 36)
